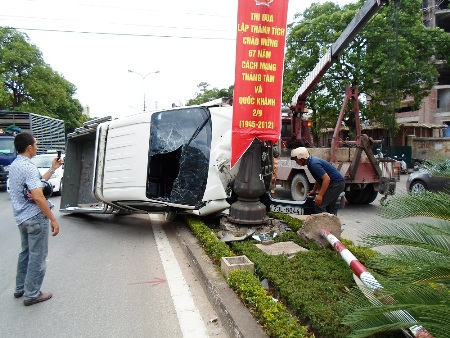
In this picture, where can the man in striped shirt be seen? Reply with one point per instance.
(32, 212)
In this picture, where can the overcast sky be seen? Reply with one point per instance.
(93, 44)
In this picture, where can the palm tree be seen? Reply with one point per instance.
(413, 267)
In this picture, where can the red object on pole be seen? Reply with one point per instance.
(358, 268)
(260, 42)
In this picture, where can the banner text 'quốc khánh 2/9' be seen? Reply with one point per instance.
(261, 37)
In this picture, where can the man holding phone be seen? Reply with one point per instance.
(32, 216)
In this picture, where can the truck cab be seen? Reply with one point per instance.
(7, 155)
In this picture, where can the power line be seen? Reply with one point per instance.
(41, 19)
(122, 34)
(121, 9)
(117, 28)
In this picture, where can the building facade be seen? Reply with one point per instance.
(433, 117)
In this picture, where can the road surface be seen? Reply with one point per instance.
(111, 276)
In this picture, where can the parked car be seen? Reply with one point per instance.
(433, 178)
(44, 162)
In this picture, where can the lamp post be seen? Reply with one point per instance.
(143, 79)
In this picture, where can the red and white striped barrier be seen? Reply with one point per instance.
(370, 282)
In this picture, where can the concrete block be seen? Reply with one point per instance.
(310, 231)
(228, 264)
(288, 248)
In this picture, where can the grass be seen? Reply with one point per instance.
(304, 299)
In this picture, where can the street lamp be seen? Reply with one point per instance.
(143, 79)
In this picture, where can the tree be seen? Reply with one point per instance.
(413, 267)
(29, 84)
(53, 96)
(391, 59)
(205, 94)
(17, 58)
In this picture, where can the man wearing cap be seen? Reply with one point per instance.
(327, 177)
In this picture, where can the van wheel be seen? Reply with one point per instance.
(300, 187)
(169, 216)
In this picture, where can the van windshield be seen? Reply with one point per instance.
(180, 145)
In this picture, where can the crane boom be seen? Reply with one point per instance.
(361, 18)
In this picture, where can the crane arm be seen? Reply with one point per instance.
(361, 18)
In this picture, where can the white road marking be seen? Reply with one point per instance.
(191, 322)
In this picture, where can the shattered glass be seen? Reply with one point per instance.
(180, 144)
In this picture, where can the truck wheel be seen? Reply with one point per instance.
(354, 196)
(299, 187)
(369, 194)
(361, 196)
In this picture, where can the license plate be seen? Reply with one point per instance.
(287, 209)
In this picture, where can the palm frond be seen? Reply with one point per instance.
(415, 306)
(427, 204)
(434, 235)
(413, 268)
(438, 167)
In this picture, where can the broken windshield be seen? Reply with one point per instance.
(180, 142)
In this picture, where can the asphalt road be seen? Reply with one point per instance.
(111, 276)
(357, 219)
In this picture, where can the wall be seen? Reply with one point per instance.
(429, 148)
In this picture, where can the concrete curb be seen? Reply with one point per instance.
(235, 318)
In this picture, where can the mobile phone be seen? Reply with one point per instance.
(59, 155)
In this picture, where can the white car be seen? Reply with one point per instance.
(44, 162)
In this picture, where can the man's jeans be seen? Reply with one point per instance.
(330, 198)
(31, 265)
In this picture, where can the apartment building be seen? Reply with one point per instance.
(433, 117)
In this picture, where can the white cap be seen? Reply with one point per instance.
(300, 152)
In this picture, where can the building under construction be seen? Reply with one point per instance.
(433, 117)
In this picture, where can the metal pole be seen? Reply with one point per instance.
(144, 92)
(143, 79)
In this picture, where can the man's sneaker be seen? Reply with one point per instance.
(43, 296)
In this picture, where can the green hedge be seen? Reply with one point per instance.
(310, 285)
(274, 317)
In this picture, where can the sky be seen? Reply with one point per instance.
(170, 46)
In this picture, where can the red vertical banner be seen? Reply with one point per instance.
(261, 38)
